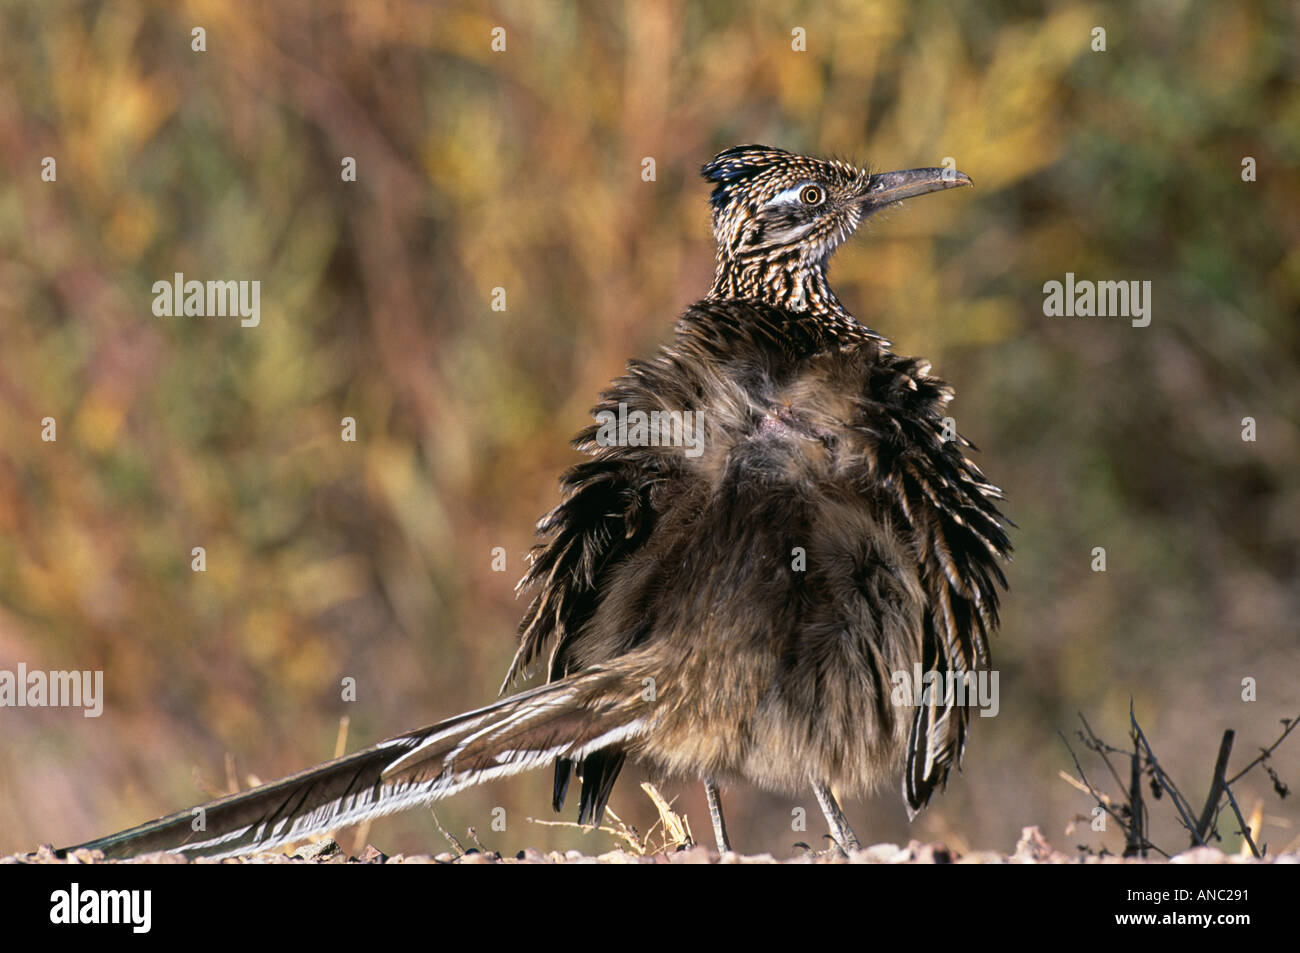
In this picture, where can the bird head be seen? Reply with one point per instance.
(778, 216)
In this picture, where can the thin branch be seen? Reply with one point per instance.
(1078, 785)
(1102, 748)
(627, 832)
(1217, 784)
(473, 835)
(1137, 835)
(1102, 800)
(1265, 752)
(451, 838)
(676, 825)
(1184, 809)
(629, 835)
(1245, 828)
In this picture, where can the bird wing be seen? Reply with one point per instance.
(960, 541)
(604, 516)
(606, 513)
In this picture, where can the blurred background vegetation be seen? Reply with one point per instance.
(522, 170)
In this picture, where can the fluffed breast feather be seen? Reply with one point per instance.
(787, 402)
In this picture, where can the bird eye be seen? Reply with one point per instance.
(811, 195)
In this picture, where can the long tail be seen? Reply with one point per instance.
(570, 718)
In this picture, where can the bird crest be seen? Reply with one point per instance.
(737, 165)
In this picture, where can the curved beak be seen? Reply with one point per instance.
(885, 188)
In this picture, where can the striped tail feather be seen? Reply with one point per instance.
(938, 739)
(569, 718)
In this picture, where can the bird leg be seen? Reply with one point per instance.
(845, 839)
(715, 814)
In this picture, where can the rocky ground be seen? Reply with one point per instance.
(1033, 848)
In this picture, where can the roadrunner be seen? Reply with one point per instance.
(738, 609)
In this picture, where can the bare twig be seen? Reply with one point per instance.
(1102, 800)
(456, 845)
(1245, 828)
(628, 834)
(1103, 749)
(675, 825)
(626, 831)
(473, 835)
(1180, 802)
(341, 739)
(1079, 786)
(1265, 752)
(1217, 784)
(673, 829)
(1130, 811)
(1137, 836)
(1256, 824)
